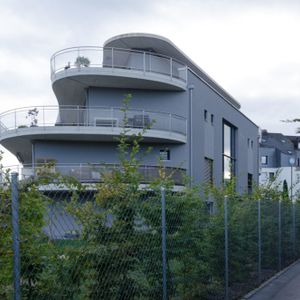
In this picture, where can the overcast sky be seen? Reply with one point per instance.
(251, 48)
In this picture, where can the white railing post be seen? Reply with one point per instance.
(170, 123)
(143, 122)
(144, 62)
(78, 116)
(54, 64)
(112, 58)
(80, 172)
(15, 119)
(78, 54)
(44, 123)
(112, 117)
(171, 67)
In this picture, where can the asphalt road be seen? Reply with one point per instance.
(284, 287)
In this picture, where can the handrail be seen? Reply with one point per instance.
(85, 107)
(92, 172)
(117, 58)
(97, 116)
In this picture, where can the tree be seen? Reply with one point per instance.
(285, 190)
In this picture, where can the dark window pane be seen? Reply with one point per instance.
(250, 183)
(164, 154)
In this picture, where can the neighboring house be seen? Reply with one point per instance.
(280, 160)
(198, 130)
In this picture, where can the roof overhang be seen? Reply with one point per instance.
(162, 45)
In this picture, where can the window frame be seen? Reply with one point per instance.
(232, 156)
(166, 152)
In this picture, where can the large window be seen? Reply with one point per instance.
(228, 151)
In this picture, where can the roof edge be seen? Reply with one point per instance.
(180, 56)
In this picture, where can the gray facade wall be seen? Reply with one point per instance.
(204, 98)
(207, 138)
(92, 152)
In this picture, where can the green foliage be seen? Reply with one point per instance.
(33, 243)
(82, 61)
(117, 252)
(285, 190)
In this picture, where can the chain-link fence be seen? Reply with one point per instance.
(63, 241)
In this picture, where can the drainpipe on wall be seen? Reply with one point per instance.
(190, 138)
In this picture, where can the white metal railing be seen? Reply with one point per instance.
(86, 172)
(44, 116)
(77, 58)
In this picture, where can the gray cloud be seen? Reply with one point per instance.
(249, 47)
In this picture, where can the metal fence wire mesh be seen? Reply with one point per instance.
(122, 242)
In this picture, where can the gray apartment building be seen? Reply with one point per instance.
(280, 160)
(198, 127)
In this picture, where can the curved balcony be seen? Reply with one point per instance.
(89, 124)
(92, 173)
(116, 67)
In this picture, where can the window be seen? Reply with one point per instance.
(205, 115)
(264, 160)
(251, 144)
(164, 154)
(208, 171)
(212, 119)
(228, 151)
(250, 183)
(272, 176)
(248, 143)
